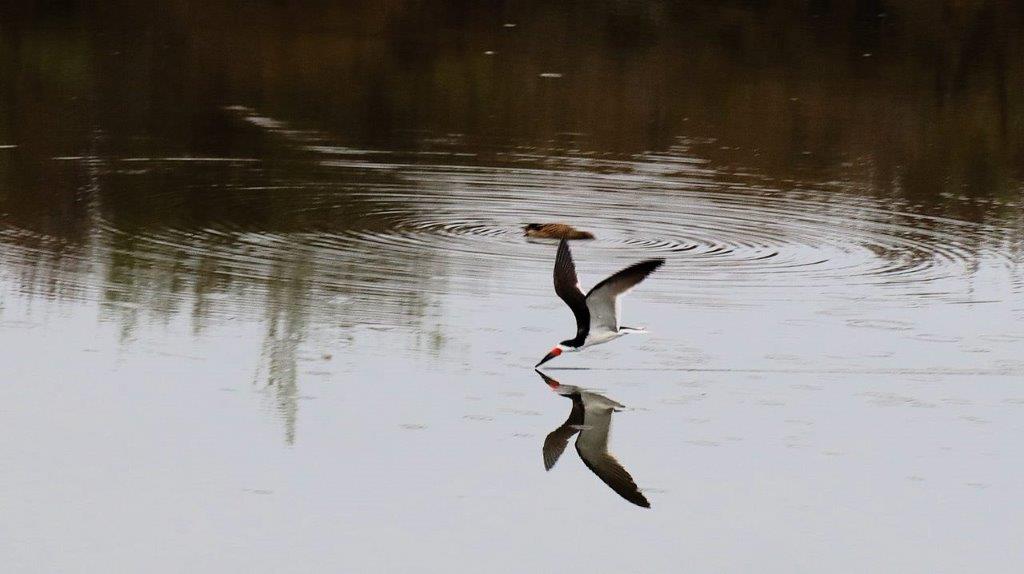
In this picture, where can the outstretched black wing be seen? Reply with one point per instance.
(567, 286)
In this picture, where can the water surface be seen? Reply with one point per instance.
(265, 303)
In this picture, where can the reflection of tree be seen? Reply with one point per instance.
(285, 325)
(916, 98)
(905, 101)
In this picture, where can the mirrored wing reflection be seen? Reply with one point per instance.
(590, 420)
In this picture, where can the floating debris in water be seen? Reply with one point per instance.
(551, 75)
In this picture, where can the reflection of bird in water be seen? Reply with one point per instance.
(597, 312)
(591, 417)
(554, 231)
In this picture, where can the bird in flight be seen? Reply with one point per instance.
(591, 417)
(597, 312)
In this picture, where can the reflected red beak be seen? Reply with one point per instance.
(554, 353)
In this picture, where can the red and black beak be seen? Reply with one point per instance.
(554, 353)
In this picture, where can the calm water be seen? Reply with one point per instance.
(265, 304)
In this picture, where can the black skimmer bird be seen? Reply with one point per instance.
(591, 417)
(555, 231)
(597, 312)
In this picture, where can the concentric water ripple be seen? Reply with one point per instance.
(389, 230)
(734, 233)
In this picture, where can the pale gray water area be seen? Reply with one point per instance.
(248, 333)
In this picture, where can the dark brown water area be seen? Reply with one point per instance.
(266, 303)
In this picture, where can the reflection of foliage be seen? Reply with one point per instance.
(909, 98)
(915, 100)
(285, 323)
(906, 100)
(920, 100)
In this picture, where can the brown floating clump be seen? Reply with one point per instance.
(555, 231)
